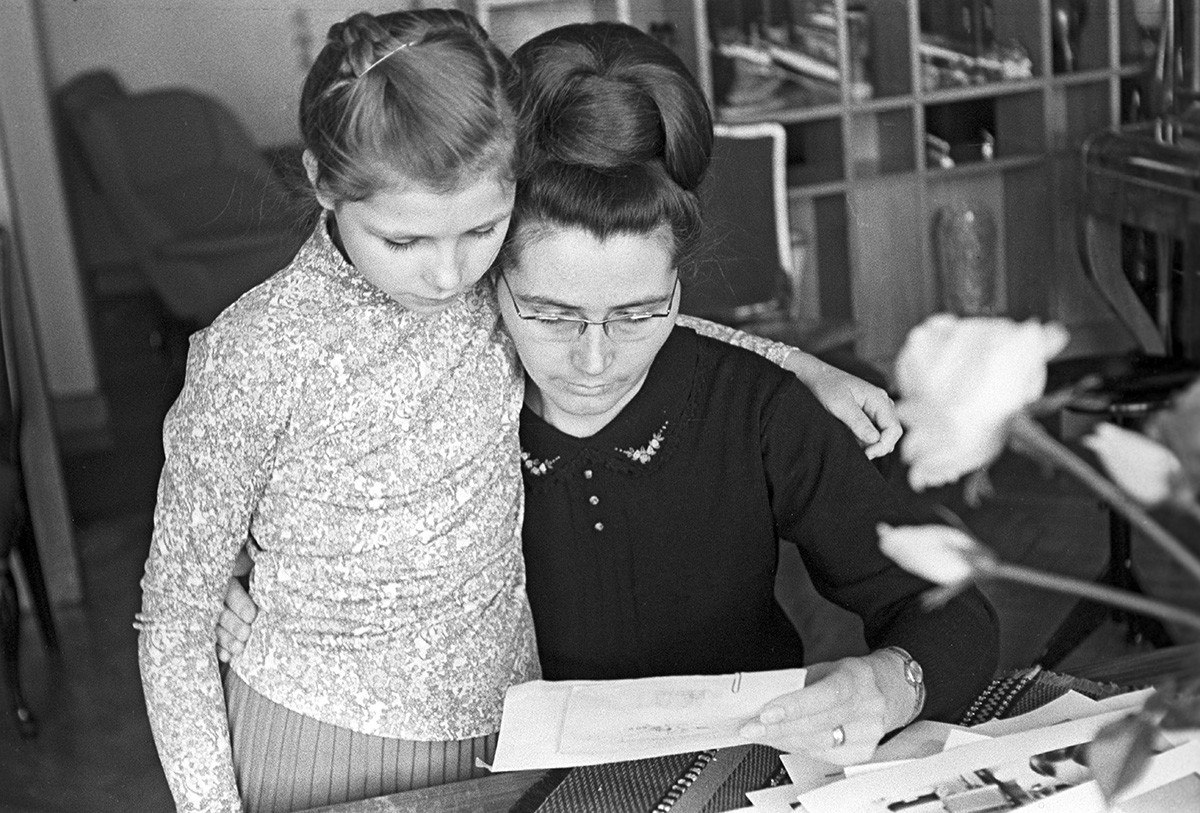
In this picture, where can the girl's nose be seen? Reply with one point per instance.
(446, 271)
(593, 351)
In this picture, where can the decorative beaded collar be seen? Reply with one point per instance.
(643, 455)
(535, 466)
(648, 451)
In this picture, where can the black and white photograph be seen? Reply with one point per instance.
(799, 385)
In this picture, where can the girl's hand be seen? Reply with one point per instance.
(233, 626)
(842, 712)
(866, 409)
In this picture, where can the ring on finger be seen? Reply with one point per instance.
(839, 737)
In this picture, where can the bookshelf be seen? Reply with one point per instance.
(897, 110)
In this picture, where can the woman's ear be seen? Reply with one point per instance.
(310, 168)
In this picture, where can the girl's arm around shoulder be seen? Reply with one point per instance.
(867, 410)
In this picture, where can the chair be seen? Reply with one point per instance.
(203, 211)
(101, 252)
(744, 275)
(16, 529)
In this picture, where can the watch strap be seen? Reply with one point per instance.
(915, 676)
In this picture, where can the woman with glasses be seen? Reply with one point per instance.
(661, 468)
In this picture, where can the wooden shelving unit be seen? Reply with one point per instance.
(864, 191)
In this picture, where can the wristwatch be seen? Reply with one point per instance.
(915, 677)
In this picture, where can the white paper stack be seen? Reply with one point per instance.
(1035, 761)
(562, 724)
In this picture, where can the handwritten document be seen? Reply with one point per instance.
(559, 724)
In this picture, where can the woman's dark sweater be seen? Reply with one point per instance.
(651, 546)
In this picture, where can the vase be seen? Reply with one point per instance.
(965, 247)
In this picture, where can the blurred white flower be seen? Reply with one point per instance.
(1178, 428)
(1145, 470)
(960, 381)
(937, 553)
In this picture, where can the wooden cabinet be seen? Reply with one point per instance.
(899, 109)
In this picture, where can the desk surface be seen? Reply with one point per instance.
(502, 791)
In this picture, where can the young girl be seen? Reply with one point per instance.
(355, 417)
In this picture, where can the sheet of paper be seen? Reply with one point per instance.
(1070, 706)
(807, 773)
(920, 739)
(877, 790)
(781, 799)
(959, 737)
(1128, 700)
(561, 724)
(1170, 797)
(867, 767)
(1171, 784)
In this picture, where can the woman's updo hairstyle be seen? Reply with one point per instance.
(424, 94)
(615, 135)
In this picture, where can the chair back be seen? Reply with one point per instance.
(742, 272)
(104, 256)
(202, 209)
(178, 163)
(73, 102)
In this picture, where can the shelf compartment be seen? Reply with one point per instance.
(984, 129)
(891, 287)
(1137, 42)
(814, 152)
(767, 57)
(1078, 36)
(1087, 109)
(1032, 220)
(833, 257)
(888, 55)
(1135, 99)
(881, 143)
(968, 43)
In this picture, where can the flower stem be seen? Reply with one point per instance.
(1096, 592)
(1032, 439)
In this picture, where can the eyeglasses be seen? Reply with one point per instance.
(628, 327)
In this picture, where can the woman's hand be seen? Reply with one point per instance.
(233, 626)
(866, 409)
(842, 712)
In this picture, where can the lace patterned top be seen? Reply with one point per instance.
(372, 455)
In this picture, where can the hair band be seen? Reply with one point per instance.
(399, 47)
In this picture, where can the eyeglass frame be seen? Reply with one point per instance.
(585, 323)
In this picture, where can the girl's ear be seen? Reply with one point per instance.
(310, 168)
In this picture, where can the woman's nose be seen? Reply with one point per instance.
(593, 351)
